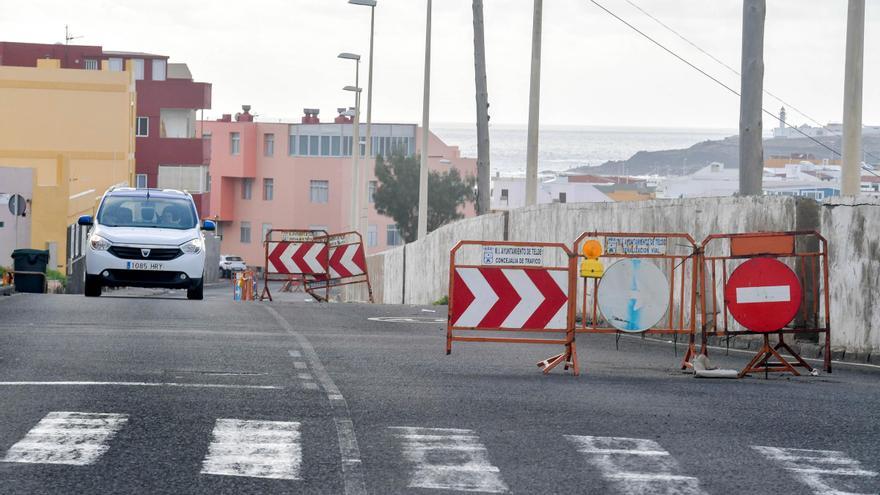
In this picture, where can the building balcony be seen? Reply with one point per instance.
(173, 151)
(172, 93)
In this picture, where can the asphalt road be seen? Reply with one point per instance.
(142, 391)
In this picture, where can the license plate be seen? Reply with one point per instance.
(145, 265)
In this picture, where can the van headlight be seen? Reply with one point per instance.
(98, 243)
(192, 247)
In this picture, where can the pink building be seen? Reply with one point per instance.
(298, 176)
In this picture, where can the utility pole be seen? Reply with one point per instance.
(851, 177)
(534, 107)
(426, 103)
(483, 168)
(751, 145)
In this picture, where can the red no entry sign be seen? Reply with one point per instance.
(763, 294)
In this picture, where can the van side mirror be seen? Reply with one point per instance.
(85, 220)
(209, 226)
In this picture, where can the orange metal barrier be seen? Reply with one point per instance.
(767, 283)
(292, 254)
(346, 265)
(673, 256)
(511, 287)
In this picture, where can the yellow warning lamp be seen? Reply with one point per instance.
(592, 267)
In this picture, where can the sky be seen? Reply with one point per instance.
(279, 56)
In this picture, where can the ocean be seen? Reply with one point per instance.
(562, 147)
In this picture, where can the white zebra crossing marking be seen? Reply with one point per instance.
(258, 449)
(449, 459)
(815, 467)
(61, 437)
(636, 465)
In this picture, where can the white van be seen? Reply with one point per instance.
(146, 238)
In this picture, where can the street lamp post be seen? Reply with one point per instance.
(362, 225)
(426, 103)
(356, 144)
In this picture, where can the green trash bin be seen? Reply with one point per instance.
(29, 260)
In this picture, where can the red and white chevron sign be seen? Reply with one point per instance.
(347, 260)
(297, 257)
(509, 298)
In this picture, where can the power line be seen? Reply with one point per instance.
(713, 78)
(731, 69)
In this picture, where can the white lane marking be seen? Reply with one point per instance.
(61, 437)
(140, 384)
(295, 354)
(305, 376)
(814, 468)
(352, 471)
(257, 449)
(310, 385)
(530, 298)
(769, 293)
(484, 297)
(299, 365)
(635, 465)
(449, 459)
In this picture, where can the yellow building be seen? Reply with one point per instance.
(75, 130)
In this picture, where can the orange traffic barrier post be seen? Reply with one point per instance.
(764, 283)
(294, 253)
(637, 282)
(346, 265)
(513, 287)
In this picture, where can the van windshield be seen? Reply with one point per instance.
(160, 213)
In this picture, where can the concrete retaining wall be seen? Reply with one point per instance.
(418, 273)
(852, 228)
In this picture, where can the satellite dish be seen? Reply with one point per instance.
(633, 295)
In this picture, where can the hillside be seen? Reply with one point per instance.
(686, 161)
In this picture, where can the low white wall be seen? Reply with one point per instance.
(418, 273)
(852, 228)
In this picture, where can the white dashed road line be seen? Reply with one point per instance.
(75, 438)
(259, 449)
(139, 384)
(820, 469)
(635, 465)
(352, 468)
(449, 459)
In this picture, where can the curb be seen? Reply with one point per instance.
(812, 350)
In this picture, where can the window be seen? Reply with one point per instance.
(234, 143)
(372, 236)
(268, 144)
(268, 189)
(140, 181)
(319, 191)
(143, 127)
(325, 145)
(266, 228)
(313, 145)
(138, 64)
(247, 186)
(207, 182)
(334, 145)
(504, 194)
(115, 64)
(319, 227)
(392, 235)
(291, 145)
(191, 178)
(303, 145)
(371, 191)
(562, 197)
(90, 64)
(346, 146)
(158, 70)
(177, 123)
(245, 232)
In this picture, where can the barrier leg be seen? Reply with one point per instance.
(782, 344)
(761, 362)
